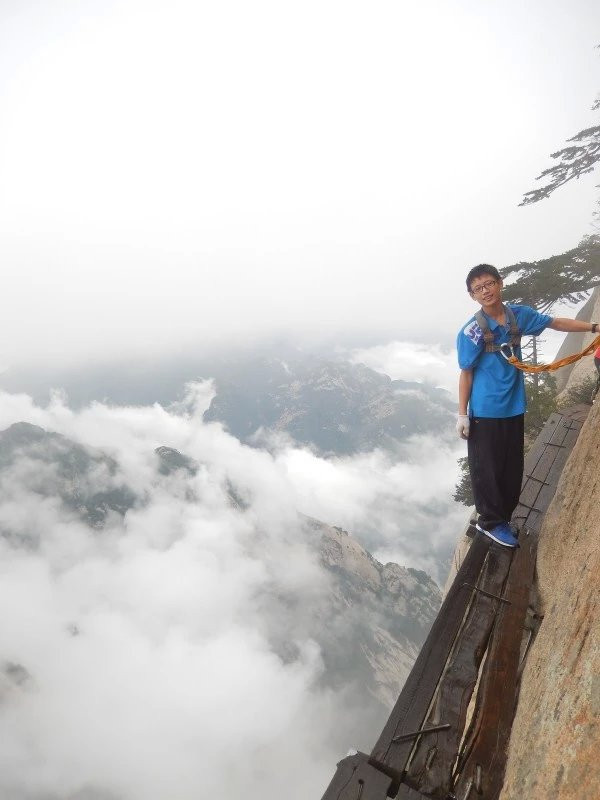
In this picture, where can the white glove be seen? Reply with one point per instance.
(462, 426)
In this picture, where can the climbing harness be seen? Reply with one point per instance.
(488, 336)
(507, 349)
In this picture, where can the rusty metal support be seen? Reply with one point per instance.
(539, 480)
(406, 736)
(357, 779)
(531, 508)
(487, 594)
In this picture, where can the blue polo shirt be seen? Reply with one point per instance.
(498, 387)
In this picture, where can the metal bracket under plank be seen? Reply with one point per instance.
(357, 779)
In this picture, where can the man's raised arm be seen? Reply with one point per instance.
(573, 325)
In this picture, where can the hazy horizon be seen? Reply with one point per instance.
(227, 173)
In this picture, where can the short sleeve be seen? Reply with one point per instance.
(469, 344)
(531, 322)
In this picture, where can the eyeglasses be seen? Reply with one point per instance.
(487, 285)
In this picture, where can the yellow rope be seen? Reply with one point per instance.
(562, 362)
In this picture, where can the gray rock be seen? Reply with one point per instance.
(377, 616)
(334, 407)
(84, 478)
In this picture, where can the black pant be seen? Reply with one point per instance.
(495, 448)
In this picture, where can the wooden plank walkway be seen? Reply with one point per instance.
(424, 749)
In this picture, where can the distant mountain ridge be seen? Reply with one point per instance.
(334, 406)
(321, 401)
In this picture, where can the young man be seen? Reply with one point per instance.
(491, 397)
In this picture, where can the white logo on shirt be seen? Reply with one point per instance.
(473, 332)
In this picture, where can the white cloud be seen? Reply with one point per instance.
(412, 361)
(148, 644)
(401, 511)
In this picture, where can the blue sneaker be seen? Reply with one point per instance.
(502, 534)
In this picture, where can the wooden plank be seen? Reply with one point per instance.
(542, 468)
(551, 423)
(528, 500)
(582, 416)
(530, 491)
(559, 432)
(414, 700)
(355, 778)
(430, 768)
(577, 412)
(572, 435)
(557, 442)
(530, 505)
(486, 745)
(538, 463)
(537, 482)
(526, 516)
(537, 448)
(548, 491)
(534, 521)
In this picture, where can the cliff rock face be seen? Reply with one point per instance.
(556, 733)
(574, 343)
(378, 616)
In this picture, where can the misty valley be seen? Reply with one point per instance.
(165, 565)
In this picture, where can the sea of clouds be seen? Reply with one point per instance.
(411, 361)
(138, 660)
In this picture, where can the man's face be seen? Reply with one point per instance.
(486, 290)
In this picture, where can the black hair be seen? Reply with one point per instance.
(482, 269)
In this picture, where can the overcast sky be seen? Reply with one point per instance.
(182, 173)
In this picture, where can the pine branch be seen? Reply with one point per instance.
(566, 277)
(575, 161)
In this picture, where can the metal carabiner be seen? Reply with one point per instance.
(511, 351)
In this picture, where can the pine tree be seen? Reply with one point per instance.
(575, 160)
(567, 277)
(463, 491)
